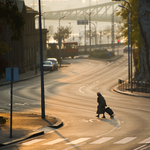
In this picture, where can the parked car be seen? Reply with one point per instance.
(48, 65)
(125, 49)
(54, 61)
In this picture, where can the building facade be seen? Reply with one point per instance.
(25, 53)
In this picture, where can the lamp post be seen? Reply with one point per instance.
(89, 27)
(70, 29)
(35, 50)
(130, 33)
(43, 14)
(41, 65)
(95, 33)
(85, 35)
(128, 43)
(59, 40)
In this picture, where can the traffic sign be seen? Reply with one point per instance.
(15, 74)
(82, 22)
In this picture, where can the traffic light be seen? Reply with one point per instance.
(118, 41)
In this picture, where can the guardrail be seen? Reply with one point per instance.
(100, 46)
(137, 86)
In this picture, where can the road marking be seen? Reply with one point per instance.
(80, 89)
(55, 141)
(125, 140)
(33, 141)
(139, 148)
(78, 141)
(102, 140)
(145, 141)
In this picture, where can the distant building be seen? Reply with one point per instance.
(25, 50)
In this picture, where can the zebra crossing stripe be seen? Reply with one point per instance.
(145, 141)
(55, 141)
(125, 140)
(102, 140)
(32, 141)
(78, 141)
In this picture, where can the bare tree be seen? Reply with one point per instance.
(50, 32)
(64, 33)
(107, 32)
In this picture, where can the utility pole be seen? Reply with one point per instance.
(85, 35)
(112, 33)
(90, 23)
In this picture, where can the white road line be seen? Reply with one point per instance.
(145, 141)
(80, 89)
(33, 141)
(54, 141)
(139, 148)
(102, 140)
(78, 141)
(125, 140)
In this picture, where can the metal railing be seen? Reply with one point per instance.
(137, 86)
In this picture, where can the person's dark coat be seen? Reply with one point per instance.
(102, 103)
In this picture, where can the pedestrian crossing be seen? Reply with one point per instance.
(80, 140)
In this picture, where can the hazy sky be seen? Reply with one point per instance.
(49, 5)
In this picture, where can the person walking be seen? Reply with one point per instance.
(101, 105)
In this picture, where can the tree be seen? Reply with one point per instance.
(10, 14)
(64, 33)
(92, 33)
(136, 40)
(107, 32)
(140, 35)
(50, 32)
(144, 52)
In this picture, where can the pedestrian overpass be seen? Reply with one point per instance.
(101, 12)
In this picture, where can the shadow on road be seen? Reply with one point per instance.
(113, 122)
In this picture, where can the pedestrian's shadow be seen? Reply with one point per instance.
(113, 121)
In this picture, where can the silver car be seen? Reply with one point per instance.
(54, 61)
(48, 65)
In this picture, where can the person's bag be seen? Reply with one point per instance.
(109, 111)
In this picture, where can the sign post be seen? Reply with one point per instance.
(11, 75)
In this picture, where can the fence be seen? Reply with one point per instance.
(137, 86)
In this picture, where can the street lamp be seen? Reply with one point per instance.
(90, 26)
(59, 40)
(128, 43)
(70, 29)
(41, 65)
(43, 14)
(131, 33)
(35, 48)
(95, 33)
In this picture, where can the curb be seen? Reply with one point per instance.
(111, 59)
(30, 135)
(128, 93)
(58, 124)
(24, 79)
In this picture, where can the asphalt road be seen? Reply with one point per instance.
(70, 94)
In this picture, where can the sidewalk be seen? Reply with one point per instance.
(27, 75)
(137, 94)
(26, 125)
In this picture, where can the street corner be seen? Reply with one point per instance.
(26, 125)
(31, 121)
